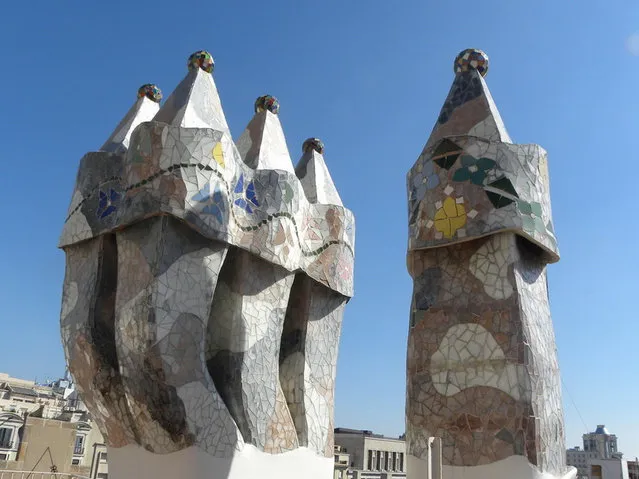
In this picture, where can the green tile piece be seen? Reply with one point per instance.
(506, 436)
(288, 193)
(478, 177)
(486, 164)
(536, 209)
(468, 160)
(528, 224)
(462, 174)
(518, 446)
(417, 318)
(524, 207)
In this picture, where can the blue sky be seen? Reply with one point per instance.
(368, 78)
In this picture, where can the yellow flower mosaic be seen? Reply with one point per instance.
(543, 168)
(218, 154)
(450, 217)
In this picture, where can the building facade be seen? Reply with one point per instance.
(371, 456)
(599, 458)
(613, 468)
(46, 428)
(342, 462)
(579, 458)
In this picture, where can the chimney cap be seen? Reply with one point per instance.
(151, 91)
(201, 59)
(472, 59)
(313, 144)
(267, 102)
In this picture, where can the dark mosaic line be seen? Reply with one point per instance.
(201, 166)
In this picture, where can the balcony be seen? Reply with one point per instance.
(5, 474)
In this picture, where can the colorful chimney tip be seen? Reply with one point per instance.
(151, 91)
(267, 102)
(201, 59)
(313, 144)
(471, 59)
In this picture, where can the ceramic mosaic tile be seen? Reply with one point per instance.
(206, 282)
(482, 365)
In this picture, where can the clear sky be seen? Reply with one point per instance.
(369, 78)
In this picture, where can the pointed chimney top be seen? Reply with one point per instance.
(469, 109)
(144, 109)
(195, 102)
(262, 146)
(314, 176)
(201, 59)
(472, 59)
(267, 103)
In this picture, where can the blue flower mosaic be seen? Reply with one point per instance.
(349, 229)
(248, 197)
(413, 206)
(107, 203)
(213, 201)
(430, 176)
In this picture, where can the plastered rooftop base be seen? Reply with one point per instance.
(513, 467)
(204, 291)
(193, 463)
(482, 370)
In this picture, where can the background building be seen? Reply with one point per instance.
(342, 463)
(601, 442)
(615, 468)
(599, 458)
(371, 456)
(45, 427)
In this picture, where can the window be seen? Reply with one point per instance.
(103, 457)
(595, 471)
(401, 462)
(75, 462)
(6, 433)
(371, 459)
(103, 475)
(4, 457)
(78, 449)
